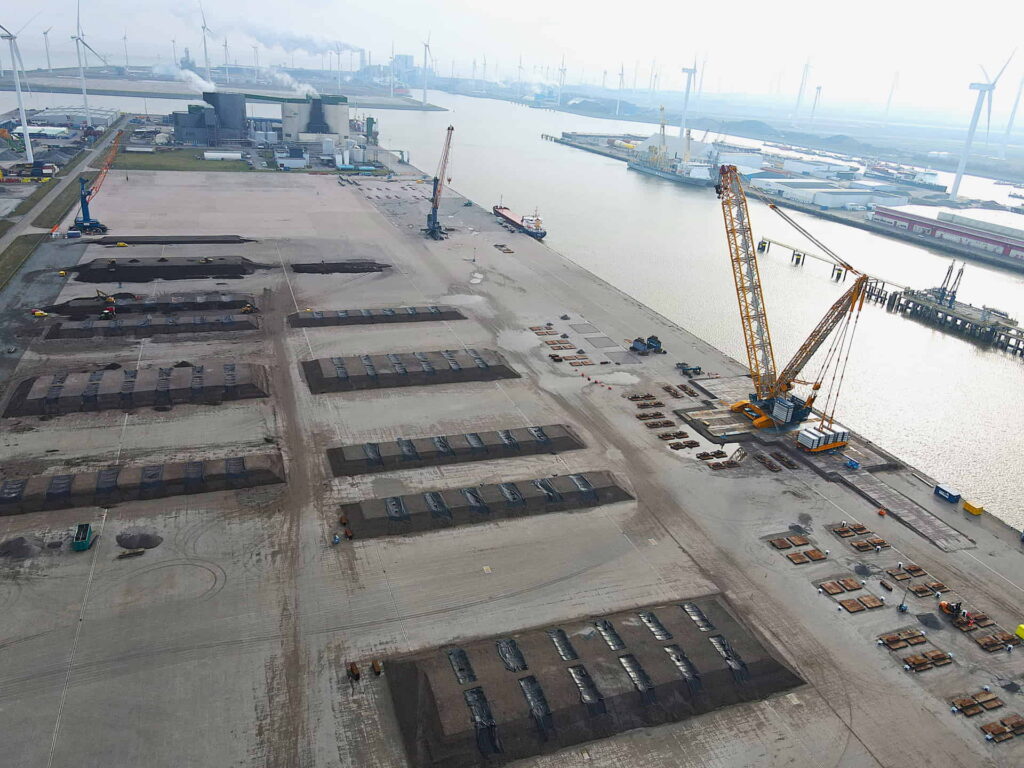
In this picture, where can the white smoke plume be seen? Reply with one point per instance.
(187, 76)
(289, 42)
(287, 81)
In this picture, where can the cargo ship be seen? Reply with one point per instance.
(530, 225)
(907, 176)
(693, 174)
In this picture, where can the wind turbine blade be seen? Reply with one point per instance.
(27, 23)
(98, 56)
(985, 73)
(1004, 67)
(78, 17)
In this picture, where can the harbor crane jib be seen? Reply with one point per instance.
(434, 228)
(772, 402)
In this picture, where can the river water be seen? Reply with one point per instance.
(945, 405)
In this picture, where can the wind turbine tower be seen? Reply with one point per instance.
(17, 64)
(985, 91)
(803, 85)
(174, 53)
(622, 82)
(46, 44)
(125, 41)
(426, 56)
(227, 71)
(892, 92)
(814, 106)
(689, 72)
(206, 52)
(561, 80)
(1013, 116)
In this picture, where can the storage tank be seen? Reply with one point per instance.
(294, 118)
(336, 116)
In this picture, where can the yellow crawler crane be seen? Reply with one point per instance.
(771, 402)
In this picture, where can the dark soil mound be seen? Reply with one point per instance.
(139, 538)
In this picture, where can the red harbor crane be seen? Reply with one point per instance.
(434, 228)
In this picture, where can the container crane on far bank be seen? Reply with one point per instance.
(434, 228)
(772, 403)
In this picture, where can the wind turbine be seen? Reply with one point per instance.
(520, 71)
(622, 82)
(984, 95)
(80, 47)
(561, 80)
(174, 53)
(700, 81)
(16, 63)
(227, 72)
(892, 92)
(1013, 116)
(206, 53)
(689, 72)
(125, 41)
(800, 93)
(426, 54)
(338, 52)
(814, 106)
(391, 72)
(256, 62)
(46, 44)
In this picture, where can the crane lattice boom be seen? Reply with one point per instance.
(753, 317)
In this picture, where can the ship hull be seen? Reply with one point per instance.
(506, 215)
(686, 180)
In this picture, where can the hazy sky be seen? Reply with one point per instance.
(751, 47)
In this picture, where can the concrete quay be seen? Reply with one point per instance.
(239, 629)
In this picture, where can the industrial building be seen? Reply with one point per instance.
(821, 169)
(100, 117)
(222, 120)
(825, 194)
(314, 119)
(979, 236)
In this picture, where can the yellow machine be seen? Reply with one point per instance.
(771, 402)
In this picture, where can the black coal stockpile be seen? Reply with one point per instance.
(334, 267)
(173, 240)
(144, 269)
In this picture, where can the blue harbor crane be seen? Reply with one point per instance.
(84, 222)
(434, 228)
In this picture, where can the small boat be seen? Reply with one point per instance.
(530, 225)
